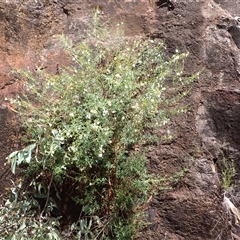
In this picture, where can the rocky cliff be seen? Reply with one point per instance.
(210, 31)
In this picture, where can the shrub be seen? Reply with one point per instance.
(227, 171)
(89, 126)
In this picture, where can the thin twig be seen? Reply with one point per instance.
(48, 195)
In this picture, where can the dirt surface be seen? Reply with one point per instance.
(209, 31)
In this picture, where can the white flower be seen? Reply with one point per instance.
(100, 155)
(93, 111)
(105, 112)
(95, 126)
(164, 121)
(72, 148)
(118, 75)
(135, 106)
(176, 57)
(71, 114)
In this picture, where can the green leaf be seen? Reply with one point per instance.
(23, 225)
(14, 237)
(29, 150)
(12, 154)
(13, 162)
(17, 157)
(20, 156)
(54, 235)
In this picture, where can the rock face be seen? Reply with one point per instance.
(210, 31)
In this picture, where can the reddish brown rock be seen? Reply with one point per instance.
(209, 31)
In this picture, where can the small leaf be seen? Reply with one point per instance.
(20, 157)
(29, 150)
(17, 157)
(13, 154)
(14, 237)
(54, 235)
(13, 164)
(23, 225)
(55, 132)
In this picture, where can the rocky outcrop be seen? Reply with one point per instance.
(209, 30)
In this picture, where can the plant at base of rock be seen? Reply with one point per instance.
(88, 129)
(18, 219)
(227, 172)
